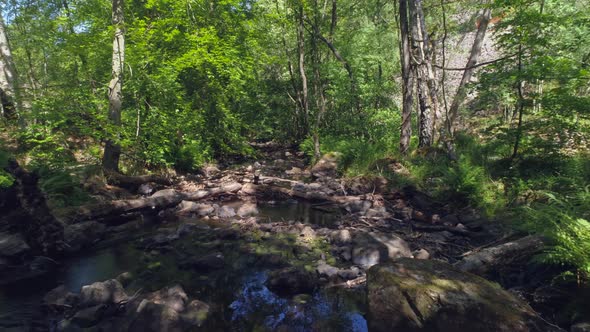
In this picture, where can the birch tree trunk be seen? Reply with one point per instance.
(469, 69)
(407, 79)
(112, 150)
(304, 88)
(420, 48)
(9, 93)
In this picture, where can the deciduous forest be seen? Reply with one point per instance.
(295, 165)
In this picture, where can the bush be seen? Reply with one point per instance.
(62, 188)
(470, 184)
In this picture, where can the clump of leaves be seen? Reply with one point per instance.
(563, 219)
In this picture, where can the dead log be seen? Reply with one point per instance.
(314, 196)
(441, 228)
(483, 261)
(161, 200)
(133, 182)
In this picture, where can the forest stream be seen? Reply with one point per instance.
(236, 290)
(266, 246)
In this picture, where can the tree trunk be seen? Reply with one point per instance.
(301, 51)
(468, 73)
(407, 79)
(9, 92)
(420, 48)
(112, 150)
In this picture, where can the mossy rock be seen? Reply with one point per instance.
(427, 295)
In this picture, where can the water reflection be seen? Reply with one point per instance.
(256, 307)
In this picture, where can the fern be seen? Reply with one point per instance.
(564, 221)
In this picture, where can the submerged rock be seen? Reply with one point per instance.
(214, 261)
(427, 295)
(247, 209)
(226, 212)
(290, 281)
(89, 316)
(82, 235)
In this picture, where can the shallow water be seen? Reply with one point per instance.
(237, 294)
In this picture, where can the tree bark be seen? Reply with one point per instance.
(112, 150)
(469, 69)
(9, 89)
(407, 79)
(420, 48)
(301, 51)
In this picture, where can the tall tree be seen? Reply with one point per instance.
(407, 78)
(469, 69)
(9, 89)
(112, 150)
(426, 97)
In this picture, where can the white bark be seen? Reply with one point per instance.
(8, 76)
(112, 150)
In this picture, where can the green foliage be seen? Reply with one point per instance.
(6, 180)
(468, 183)
(564, 220)
(61, 187)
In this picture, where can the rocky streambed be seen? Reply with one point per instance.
(271, 246)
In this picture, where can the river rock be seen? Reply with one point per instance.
(358, 206)
(374, 247)
(421, 254)
(247, 209)
(59, 299)
(89, 316)
(580, 327)
(196, 313)
(13, 245)
(426, 295)
(341, 237)
(326, 270)
(327, 166)
(290, 281)
(82, 235)
(226, 212)
(107, 292)
(200, 209)
(168, 309)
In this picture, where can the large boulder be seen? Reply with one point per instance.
(376, 247)
(13, 245)
(84, 234)
(169, 310)
(426, 295)
(107, 292)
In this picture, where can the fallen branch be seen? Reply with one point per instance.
(440, 228)
(487, 259)
(133, 182)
